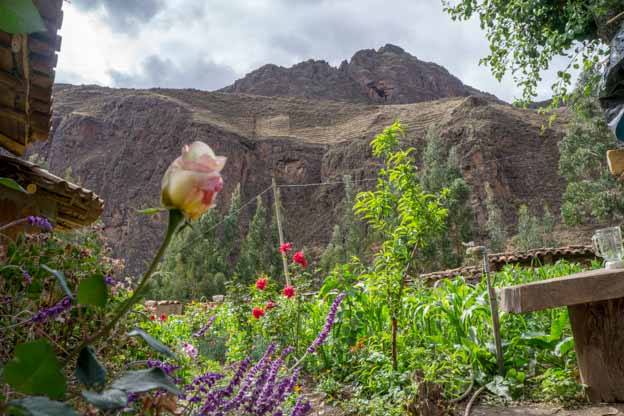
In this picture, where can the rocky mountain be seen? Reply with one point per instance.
(119, 143)
(387, 75)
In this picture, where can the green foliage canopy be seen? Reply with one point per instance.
(525, 35)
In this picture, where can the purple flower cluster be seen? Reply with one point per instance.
(205, 328)
(49, 313)
(39, 222)
(261, 392)
(329, 322)
(200, 386)
(301, 407)
(167, 368)
(110, 281)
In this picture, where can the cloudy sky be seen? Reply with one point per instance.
(207, 44)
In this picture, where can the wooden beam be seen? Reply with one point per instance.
(591, 286)
(43, 64)
(12, 145)
(12, 114)
(12, 82)
(41, 106)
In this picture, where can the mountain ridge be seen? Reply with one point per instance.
(387, 75)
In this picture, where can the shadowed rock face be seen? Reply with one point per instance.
(387, 75)
(120, 142)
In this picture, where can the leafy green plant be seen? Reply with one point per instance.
(406, 217)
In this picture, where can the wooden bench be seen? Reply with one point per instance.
(595, 302)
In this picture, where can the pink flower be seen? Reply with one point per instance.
(192, 181)
(163, 317)
(270, 305)
(285, 248)
(289, 292)
(257, 313)
(299, 258)
(261, 284)
(190, 350)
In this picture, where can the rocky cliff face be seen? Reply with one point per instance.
(119, 143)
(387, 75)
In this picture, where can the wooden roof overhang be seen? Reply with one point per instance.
(27, 74)
(75, 206)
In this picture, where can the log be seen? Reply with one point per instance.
(53, 41)
(41, 106)
(12, 145)
(12, 82)
(586, 287)
(12, 114)
(40, 47)
(43, 64)
(598, 329)
(42, 94)
(42, 81)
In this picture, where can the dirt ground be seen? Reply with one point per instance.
(320, 408)
(533, 410)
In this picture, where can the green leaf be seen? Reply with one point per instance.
(35, 370)
(61, 279)
(20, 16)
(108, 399)
(152, 342)
(151, 211)
(500, 387)
(89, 371)
(92, 291)
(565, 346)
(39, 406)
(10, 183)
(144, 380)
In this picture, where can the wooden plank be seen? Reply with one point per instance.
(598, 329)
(12, 114)
(591, 286)
(12, 82)
(12, 145)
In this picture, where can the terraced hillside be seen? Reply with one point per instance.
(119, 143)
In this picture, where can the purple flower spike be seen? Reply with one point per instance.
(40, 222)
(205, 328)
(329, 322)
(52, 312)
(301, 408)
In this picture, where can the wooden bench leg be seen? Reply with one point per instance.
(598, 329)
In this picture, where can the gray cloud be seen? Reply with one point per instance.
(123, 15)
(242, 35)
(158, 72)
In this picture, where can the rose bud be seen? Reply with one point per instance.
(193, 180)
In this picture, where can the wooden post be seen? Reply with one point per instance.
(279, 227)
(494, 311)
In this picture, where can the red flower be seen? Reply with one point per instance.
(285, 248)
(270, 305)
(261, 284)
(152, 318)
(257, 313)
(212, 306)
(289, 291)
(163, 317)
(299, 258)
